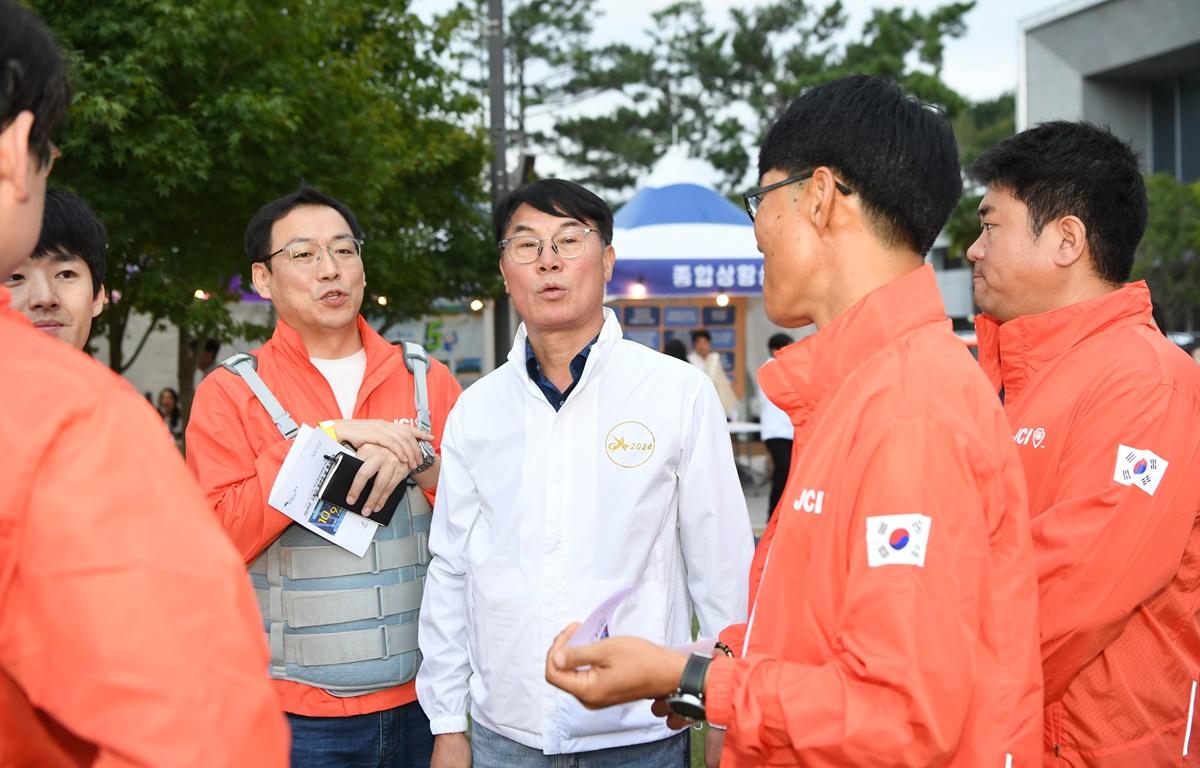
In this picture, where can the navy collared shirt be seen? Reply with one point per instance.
(556, 398)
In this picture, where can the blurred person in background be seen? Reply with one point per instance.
(704, 357)
(676, 349)
(172, 414)
(776, 430)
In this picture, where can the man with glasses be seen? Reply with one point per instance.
(342, 629)
(585, 465)
(128, 633)
(893, 611)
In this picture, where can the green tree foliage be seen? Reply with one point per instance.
(1168, 257)
(718, 89)
(191, 114)
(546, 49)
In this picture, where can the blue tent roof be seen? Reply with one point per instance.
(678, 204)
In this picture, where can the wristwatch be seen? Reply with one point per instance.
(688, 699)
(429, 456)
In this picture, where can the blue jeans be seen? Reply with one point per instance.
(393, 738)
(491, 750)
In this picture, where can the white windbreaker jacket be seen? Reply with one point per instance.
(541, 515)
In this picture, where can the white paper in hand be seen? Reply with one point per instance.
(295, 493)
(595, 627)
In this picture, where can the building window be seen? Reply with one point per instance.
(1175, 127)
(1189, 126)
(1162, 126)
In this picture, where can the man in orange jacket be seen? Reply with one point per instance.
(342, 628)
(128, 636)
(893, 595)
(1105, 413)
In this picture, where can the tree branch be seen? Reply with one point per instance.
(141, 343)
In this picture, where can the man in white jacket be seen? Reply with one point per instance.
(584, 465)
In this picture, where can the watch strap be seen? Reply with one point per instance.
(694, 672)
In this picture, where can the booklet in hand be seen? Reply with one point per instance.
(337, 485)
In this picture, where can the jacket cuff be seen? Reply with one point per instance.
(448, 724)
(718, 692)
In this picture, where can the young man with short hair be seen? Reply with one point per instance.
(128, 634)
(342, 628)
(584, 465)
(60, 286)
(893, 604)
(1105, 414)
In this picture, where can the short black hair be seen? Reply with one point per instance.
(675, 348)
(33, 76)
(778, 341)
(258, 231)
(556, 197)
(1075, 169)
(700, 333)
(898, 154)
(69, 228)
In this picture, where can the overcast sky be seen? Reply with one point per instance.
(980, 65)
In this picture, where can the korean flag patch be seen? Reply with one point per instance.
(897, 539)
(1140, 468)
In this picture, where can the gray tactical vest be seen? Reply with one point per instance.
(334, 620)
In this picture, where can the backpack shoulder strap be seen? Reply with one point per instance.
(417, 363)
(246, 366)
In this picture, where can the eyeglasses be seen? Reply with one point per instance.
(53, 155)
(307, 254)
(527, 249)
(754, 197)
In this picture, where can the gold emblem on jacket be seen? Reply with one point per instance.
(629, 444)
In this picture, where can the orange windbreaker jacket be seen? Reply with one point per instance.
(1105, 413)
(893, 595)
(236, 452)
(129, 635)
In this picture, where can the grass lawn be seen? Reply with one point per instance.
(698, 747)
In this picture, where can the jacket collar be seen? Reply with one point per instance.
(610, 336)
(800, 377)
(382, 357)
(1012, 353)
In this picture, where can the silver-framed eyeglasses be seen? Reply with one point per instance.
(525, 249)
(307, 253)
(754, 197)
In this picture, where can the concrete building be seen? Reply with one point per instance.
(1133, 65)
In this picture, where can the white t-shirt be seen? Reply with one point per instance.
(345, 376)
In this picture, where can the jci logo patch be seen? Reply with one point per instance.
(629, 444)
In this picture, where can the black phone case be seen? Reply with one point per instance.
(337, 485)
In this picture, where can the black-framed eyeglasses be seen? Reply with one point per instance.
(306, 254)
(754, 197)
(526, 249)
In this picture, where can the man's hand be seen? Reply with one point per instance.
(388, 471)
(400, 439)
(622, 669)
(451, 750)
(660, 709)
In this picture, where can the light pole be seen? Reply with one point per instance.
(498, 131)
